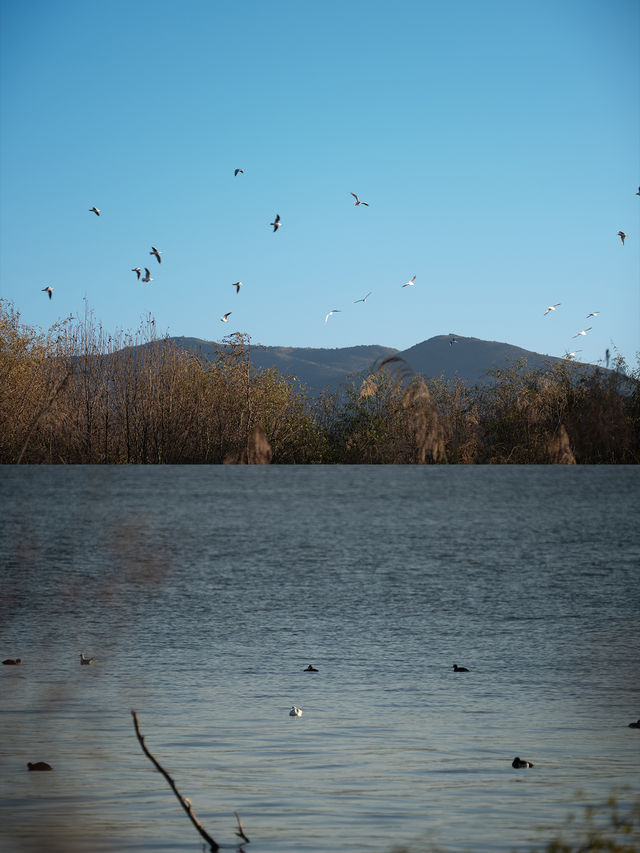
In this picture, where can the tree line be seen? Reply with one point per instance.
(78, 395)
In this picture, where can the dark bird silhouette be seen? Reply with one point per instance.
(238, 172)
(457, 668)
(237, 285)
(12, 661)
(48, 290)
(364, 298)
(276, 222)
(137, 271)
(622, 236)
(94, 210)
(520, 762)
(147, 275)
(357, 201)
(156, 254)
(311, 669)
(39, 765)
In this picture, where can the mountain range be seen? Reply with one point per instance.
(469, 359)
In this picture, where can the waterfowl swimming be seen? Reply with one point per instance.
(457, 668)
(84, 660)
(311, 669)
(39, 765)
(631, 725)
(519, 763)
(12, 661)
(295, 712)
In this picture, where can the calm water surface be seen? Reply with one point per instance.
(204, 592)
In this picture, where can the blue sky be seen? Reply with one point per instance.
(497, 143)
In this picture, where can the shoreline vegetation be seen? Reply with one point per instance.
(78, 395)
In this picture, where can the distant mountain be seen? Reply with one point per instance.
(470, 359)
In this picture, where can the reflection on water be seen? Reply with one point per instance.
(205, 592)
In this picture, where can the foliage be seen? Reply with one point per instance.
(76, 394)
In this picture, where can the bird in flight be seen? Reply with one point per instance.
(238, 172)
(638, 193)
(237, 285)
(583, 332)
(225, 317)
(335, 311)
(570, 355)
(622, 236)
(452, 341)
(592, 314)
(276, 222)
(156, 254)
(364, 298)
(48, 290)
(551, 308)
(94, 210)
(147, 275)
(137, 271)
(411, 282)
(357, 201)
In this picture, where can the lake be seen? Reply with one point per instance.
(204, 593)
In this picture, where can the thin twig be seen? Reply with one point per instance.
(240, 831)
(184, 802)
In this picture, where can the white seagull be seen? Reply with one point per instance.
(335, 311)
(357, 201)
(94, 210)
(571, 355)
(592, 314)
(225, 317)
(48, 290)
(411, 282)
(364, 298)
(156, 254)
(276, 222)
(86, 661)
(551, 308)
(137, 271)
(622, 236)
(147, 275)
(583, 332)
(238, 172)
(295, 712)
(237, 285)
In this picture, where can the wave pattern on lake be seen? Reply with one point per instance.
(204, 592)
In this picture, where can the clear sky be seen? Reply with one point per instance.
(497, 143)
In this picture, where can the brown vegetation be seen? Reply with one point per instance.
(78, 395)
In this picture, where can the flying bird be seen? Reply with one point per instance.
(638, 193)
(156, 254)
(238, 172)
(551, 308)
(237, 285)
(622, 236)
(225, 317)
(364, 298)
(452, 341)
(147, 275)
(411, 282)
(137, 271)
(570, 355)
(48, 290)
(335, 311)
(276, 222)
(583, 332)
(592, 314)
(357, 201)
(85, 661)
(295, 712)
(94, 210)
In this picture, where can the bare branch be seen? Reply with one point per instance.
(240, 831)
(184, 802)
